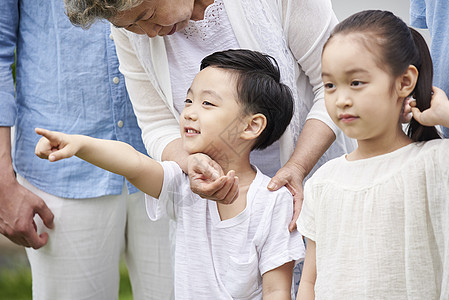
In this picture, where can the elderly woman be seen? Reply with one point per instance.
(160, 44)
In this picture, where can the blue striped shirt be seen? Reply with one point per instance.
(67, 79)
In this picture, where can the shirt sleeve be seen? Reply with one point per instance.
(158, 124)
(310, 23)
(9, 24)
(418, 14)
(175, 191)
(306, 220)
(279, 245)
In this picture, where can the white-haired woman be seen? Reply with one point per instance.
(160, 44)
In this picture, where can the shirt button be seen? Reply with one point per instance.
(115, 80)
(120, 124)
(111, 37)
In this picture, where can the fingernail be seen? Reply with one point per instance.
(271, 185)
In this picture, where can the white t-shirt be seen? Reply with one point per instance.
(217, 259)
(381, 225)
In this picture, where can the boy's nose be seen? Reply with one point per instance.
(190, 114)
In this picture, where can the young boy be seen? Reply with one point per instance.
(243, 250)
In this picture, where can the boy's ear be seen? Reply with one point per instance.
(255, 124)
(407, 81)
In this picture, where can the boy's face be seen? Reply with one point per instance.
(212, 119)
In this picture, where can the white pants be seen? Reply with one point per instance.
(81, 258)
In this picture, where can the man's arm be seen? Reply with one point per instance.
(17, 204)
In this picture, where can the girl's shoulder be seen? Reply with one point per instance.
(431, 149)
(419, 157)
(435, 150)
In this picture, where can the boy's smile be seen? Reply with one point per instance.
(212, 117)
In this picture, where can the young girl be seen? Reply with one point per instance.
(238, 251)
(377, 219)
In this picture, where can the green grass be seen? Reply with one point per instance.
(15, 283)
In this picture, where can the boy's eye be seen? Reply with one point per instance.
(187, 101)
(329, 85)
(205, 102)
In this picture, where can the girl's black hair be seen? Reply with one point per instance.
(400, 46)
(259, 89)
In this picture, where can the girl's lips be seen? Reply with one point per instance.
(346, 118)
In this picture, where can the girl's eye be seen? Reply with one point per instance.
(356, 83)
(187, 101)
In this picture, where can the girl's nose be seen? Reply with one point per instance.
(343, 100)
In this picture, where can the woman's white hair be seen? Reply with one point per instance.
(86, 12)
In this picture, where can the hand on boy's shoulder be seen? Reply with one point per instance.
(290, 177)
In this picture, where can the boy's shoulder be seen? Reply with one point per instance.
(261, 183)
(264, 199)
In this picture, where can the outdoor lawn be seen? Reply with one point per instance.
(15, 277)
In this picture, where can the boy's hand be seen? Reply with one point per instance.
(54, 145)
(437, 114)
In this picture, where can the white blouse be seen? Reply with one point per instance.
(381, 225)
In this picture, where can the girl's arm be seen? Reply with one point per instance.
(277, 282)
(307, 284)
(437, 114)
(114, 156)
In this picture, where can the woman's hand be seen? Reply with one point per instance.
(292, 176)
(208, 180)
(437, 114)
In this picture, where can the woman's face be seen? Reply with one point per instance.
(155, 17)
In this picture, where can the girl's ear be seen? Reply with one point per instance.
(254, 126)
(407, 81)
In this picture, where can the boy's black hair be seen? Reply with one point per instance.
(259, 89)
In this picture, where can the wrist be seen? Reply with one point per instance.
(301, 170)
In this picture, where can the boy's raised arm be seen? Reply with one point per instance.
(114, 156)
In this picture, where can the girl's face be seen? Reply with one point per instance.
(156, 17)
(360, 97)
